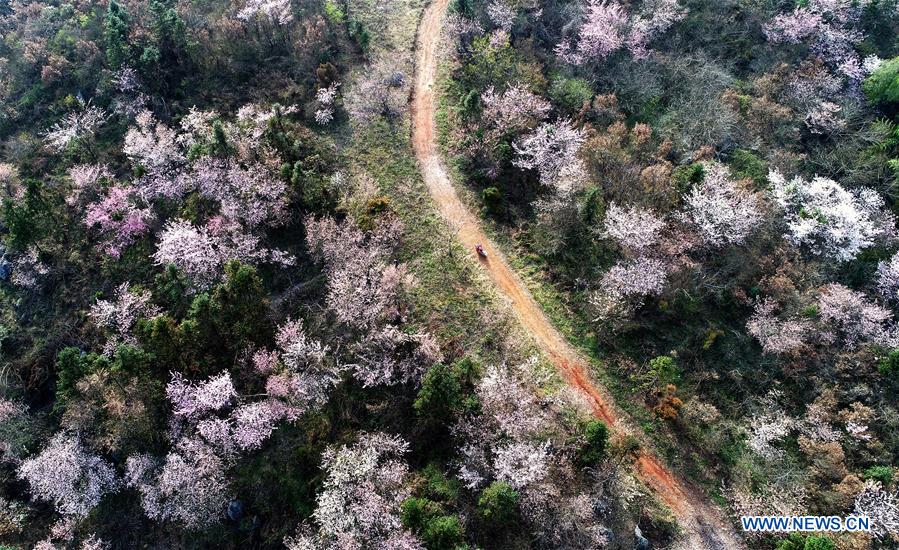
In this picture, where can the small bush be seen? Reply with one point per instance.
(570, 93)
(493, 200)
(883, 84)
(889, 365)
(883, 474)
(498, 503)
(596, 436)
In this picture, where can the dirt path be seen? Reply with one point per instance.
(703, 525)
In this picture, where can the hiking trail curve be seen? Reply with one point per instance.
(704, 526)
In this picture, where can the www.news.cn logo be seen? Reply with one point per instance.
(790, 524)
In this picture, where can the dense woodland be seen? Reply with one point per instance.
(229, 317)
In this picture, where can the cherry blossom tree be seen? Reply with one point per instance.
(521, 464)
(362, 287)
(201, 252)
(607, 27)
(853, 318)
(501, 14)
(75, 126)
(635, 278)
(118, 219)
(276, 11)
(86, 179)
(390, 355)
(882, 507)
(724, 212)
(325, 98)
(829, 220)
(190, 400)
(254, 422)
(381, 91)
(189, 486)
(196, 127)
(776, 335)
(131, 99)
(300, 374)
(513, 110)
(119, 316)
(152, 145)
(824, 119)
(633, 228)
(359, 506)
(549, 149)
(28, 271)
(829, 27)
(69, 476)
(888, 277)
(252, 195)
(502, 441)
(364, 293)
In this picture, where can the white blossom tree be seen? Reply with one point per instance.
(69, 476)
(888, 278)
(152, 145)
(724, 212)
(774, 334)
(360, 503)
(201, 252)
(275, 11)
(549, 149)
(852, 318)
(75, 126)
(514, 110)
(189, 486)
(118, 317)
(882, 507)
(829, 220)
(634, 229)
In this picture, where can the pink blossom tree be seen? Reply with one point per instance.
(852, 318)
(300, 374)
(118, 219)
(607, 27)
(69, 476)
(190, 400)
(252, 196)
(829, 27)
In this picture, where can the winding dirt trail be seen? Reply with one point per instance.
(703, 524)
